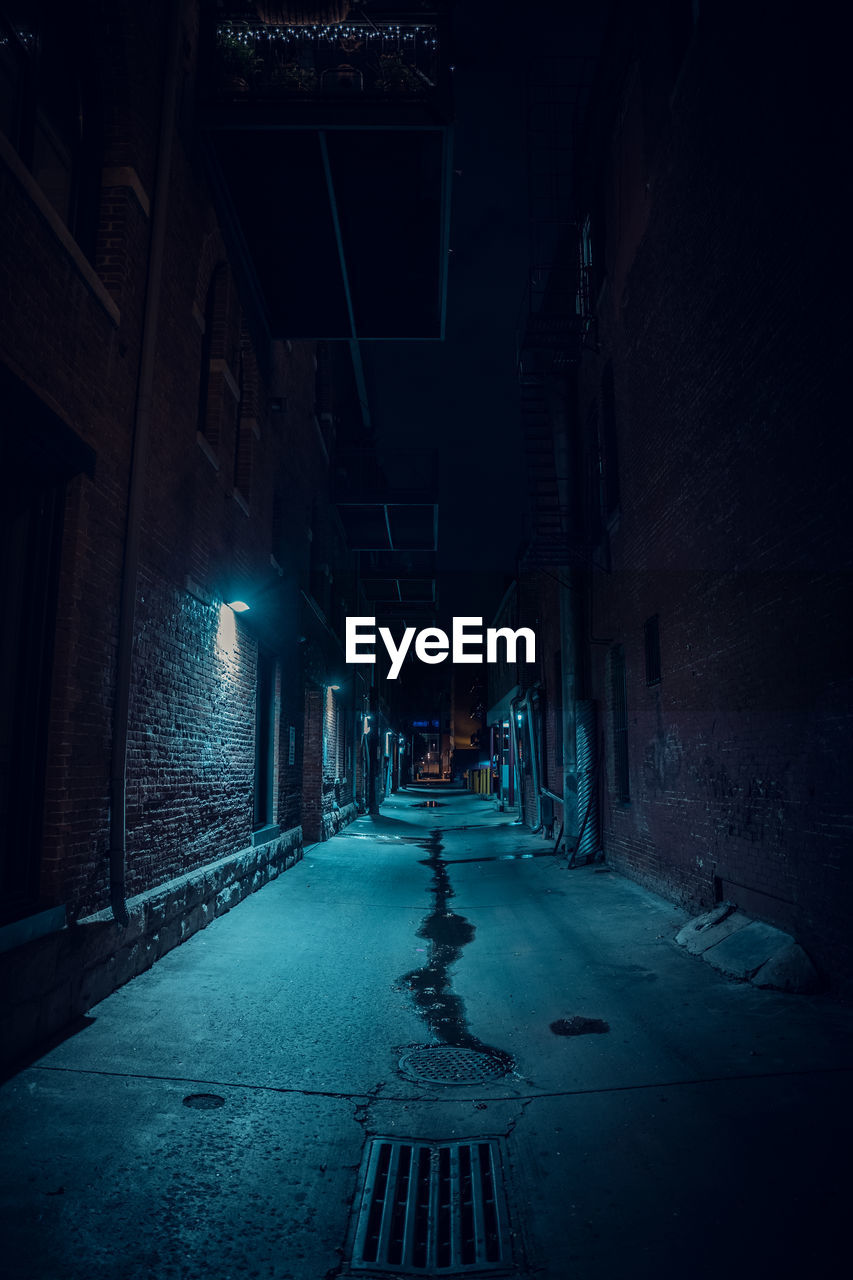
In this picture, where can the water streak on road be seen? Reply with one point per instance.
(441, 1008)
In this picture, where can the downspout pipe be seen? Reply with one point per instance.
(143, 415)
(516, 764)
(531, 701)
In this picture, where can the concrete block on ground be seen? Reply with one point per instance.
(705, 931)
(742, 953)
(789, 970)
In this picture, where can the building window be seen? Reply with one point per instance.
(583, 302)
(220, 371)
(247, 417)
(38, 455)
(558, 709)
(264, 808)
(608, 461)
(48, 109)
(31, 519)
(651, 632)
(242, 438)
(206, 352)
(620, 723)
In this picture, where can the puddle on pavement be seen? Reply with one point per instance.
(439, 1006)
(578, 1026)
(504, 857)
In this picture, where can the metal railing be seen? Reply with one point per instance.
(380, 61)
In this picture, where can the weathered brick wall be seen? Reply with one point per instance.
(727, 376)
(71, 332)
(208, 505)
(235, 495)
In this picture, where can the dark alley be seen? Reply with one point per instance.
(426, 732)
(709, 1120)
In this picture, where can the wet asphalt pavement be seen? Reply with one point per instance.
(652, 1117)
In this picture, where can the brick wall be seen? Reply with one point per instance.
(235, 493)
(720, 333)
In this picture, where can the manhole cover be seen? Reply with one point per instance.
(444, 1064)
(204, 1101)
(431, 1208)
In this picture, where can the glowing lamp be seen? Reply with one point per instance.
(239, 606)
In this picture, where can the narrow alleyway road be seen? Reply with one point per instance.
(647, 1117)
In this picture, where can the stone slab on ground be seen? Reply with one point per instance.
(744, 952)
(707, 930)
(788, 970)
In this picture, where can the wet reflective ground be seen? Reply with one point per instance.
(210, 1119)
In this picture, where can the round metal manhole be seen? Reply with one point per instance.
(204, 1101)
(445, 1064)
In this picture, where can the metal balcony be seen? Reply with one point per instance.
(330, 152)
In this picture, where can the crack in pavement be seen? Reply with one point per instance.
(362, 1109)
(525, 1103)
(349, 1095)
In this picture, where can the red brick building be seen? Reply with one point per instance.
(699, 471)
(167, 458)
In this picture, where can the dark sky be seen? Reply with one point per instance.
(461, 396)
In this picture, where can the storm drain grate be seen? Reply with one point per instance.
(444, 1064)
(431, 1208)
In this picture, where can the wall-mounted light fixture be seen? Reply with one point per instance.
(239, 606)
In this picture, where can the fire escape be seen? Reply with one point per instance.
(556, 309)
(389, 509)
(329, 146)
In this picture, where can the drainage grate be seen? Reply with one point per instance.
(431, 1208)
(445, 1064)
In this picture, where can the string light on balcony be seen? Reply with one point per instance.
(426, 36)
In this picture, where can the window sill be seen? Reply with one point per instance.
(265, 835)
(33, 191)
(207, 449)
(19, 932)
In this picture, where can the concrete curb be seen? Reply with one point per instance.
(53, 979)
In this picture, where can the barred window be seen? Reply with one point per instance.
(652, 646)
(620, 723)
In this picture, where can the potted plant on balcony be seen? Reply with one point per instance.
(292, 77)
(396, 75)
(237, 62)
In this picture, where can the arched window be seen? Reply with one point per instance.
(248, 428)
(219, 388)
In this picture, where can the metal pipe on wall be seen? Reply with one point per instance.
(143, 416)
